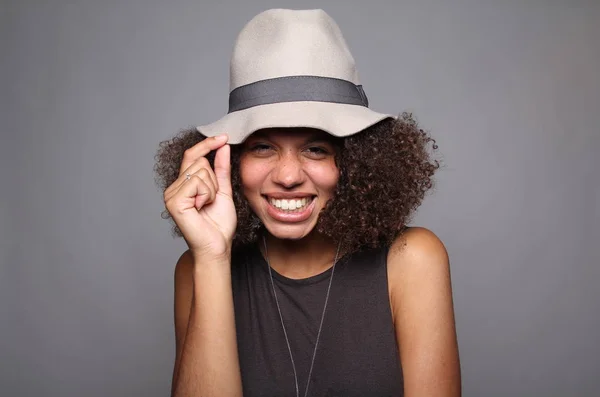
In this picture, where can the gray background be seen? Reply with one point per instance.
(510, 91)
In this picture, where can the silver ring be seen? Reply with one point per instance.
(188, 176)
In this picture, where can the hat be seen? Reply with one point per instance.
(293, 68)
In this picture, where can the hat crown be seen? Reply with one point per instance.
(279, 43)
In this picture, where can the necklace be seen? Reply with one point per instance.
(287, 341)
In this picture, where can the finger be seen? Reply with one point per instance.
(201, 149)
(206, 175)
(223, 169)
(200, 163)
(205, 194)
(192, 194)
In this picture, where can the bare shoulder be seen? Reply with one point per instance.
(417, 261)
(423, 314)
(184, 290)
(184, 268)
(184, 282)
(418, 251)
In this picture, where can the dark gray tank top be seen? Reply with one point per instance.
(357, 353)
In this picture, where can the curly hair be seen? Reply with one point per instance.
(385, 172)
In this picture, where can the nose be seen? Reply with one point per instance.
(288, 172)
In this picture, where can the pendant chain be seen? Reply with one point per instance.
(283, 325)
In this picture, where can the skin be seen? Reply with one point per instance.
(422, 310)
(293, 162)
(298, 161)
(206, 361)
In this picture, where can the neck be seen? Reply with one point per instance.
(303, 258)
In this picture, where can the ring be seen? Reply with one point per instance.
(188, 176)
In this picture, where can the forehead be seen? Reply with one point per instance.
(291, 134)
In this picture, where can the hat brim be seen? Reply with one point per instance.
(336, 119)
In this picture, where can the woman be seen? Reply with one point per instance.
(301, 276)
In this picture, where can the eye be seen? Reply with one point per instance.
(317, 151)
(260, 148)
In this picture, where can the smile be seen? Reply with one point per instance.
(290, 205)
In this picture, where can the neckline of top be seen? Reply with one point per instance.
(323, 276)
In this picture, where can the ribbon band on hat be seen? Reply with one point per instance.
(297, 88)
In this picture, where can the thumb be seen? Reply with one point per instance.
(223, 169)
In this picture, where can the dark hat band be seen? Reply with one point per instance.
(296, 89)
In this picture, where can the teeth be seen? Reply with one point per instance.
(290, 205)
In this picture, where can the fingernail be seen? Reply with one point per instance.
(221, 137)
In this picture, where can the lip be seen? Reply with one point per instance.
(287, 195)
(290, 217)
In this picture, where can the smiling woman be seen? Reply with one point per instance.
(302, 276)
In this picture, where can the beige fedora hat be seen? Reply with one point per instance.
(293, 68)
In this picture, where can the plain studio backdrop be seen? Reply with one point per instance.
(510, 91)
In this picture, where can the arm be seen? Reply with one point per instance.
(421, 300)
(201, 204)
(206, 361)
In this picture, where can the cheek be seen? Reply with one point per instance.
(252, 175)
(325, 176)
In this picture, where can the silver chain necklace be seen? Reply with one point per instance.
(283, 325)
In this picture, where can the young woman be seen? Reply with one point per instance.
(302, 277)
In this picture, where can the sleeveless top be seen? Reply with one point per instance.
(357, 353)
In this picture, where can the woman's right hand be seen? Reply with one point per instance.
(202, 204)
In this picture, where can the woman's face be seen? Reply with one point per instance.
(288, 175)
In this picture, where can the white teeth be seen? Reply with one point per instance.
(290, 205)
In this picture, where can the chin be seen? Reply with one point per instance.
(289, 232)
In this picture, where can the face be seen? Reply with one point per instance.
(288, 175)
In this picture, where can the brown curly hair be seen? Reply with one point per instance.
(385, 172)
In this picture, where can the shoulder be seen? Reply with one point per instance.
(184, 290)
(423, 314)
(417, 258)
(184, 286)
(184, 268)
(417, 245)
